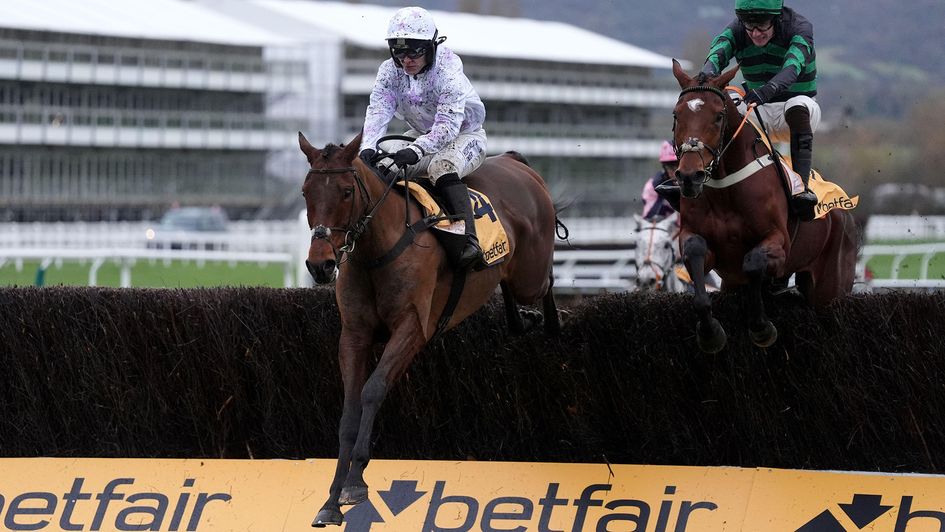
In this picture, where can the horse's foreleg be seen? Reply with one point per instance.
(406, 340)
(756, 266)
(353, 354)
(709, 332)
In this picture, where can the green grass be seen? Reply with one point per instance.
(147, 274)
(909, 268)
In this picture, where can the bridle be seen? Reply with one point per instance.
(696, 145)
(354, 228)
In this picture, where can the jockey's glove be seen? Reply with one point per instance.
(406, 157)
(761, 95)
(367, 155)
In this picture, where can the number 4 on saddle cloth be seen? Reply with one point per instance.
(452, 235)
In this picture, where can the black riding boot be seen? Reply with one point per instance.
(802, 151)
(456, 195)
(669, 191)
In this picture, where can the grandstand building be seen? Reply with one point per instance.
(117, 110)
(588, 111)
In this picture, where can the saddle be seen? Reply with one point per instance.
(452, 233)
(830, 195)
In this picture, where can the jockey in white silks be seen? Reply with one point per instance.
(423, 83)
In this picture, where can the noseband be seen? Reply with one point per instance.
(694, 144)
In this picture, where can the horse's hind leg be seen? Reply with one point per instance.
(549, 309)
(709, 332)
(514, 319)
(762, 332)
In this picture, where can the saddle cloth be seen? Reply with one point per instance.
(492, 236)
(829, 195)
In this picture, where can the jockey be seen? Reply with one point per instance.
(423, 83)
(775, 47)
(654, 205)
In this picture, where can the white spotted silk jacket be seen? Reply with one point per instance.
(440, 103)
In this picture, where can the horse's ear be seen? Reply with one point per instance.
(684, 79)
(722, 80)
(311, 152)
(351, 149)
(638, 219)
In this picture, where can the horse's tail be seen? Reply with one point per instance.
(518, 157)
(561, 230)
(560, 204)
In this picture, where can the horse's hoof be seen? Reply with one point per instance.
(353, 494)
(764, 336)
(711, 338)
(530, 318)
(327, 516)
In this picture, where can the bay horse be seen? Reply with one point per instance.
(743, 228)
(394, 281)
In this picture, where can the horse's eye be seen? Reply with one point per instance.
(719, 117)
(348, 192)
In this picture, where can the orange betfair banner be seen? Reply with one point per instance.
(431, 496)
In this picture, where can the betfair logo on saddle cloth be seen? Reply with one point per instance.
(492, 236)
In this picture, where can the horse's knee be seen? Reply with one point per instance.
(755, 263)
(694, 246)
(373, 394)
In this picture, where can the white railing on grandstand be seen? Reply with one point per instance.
(914, 227)
(255, 236)
(592, 271)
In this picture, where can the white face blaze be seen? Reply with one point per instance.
(695, 104)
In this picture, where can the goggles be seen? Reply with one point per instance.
(755, 24)
(401, 53)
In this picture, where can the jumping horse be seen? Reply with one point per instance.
(394, 281)
(742, 227)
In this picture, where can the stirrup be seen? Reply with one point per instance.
(803, 205)
(471, 256)
(669, 192)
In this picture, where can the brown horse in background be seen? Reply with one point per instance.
(745, 230)
(394, 281)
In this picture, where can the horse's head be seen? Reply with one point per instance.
(700, 121)
(335, 197)
(655, 251)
